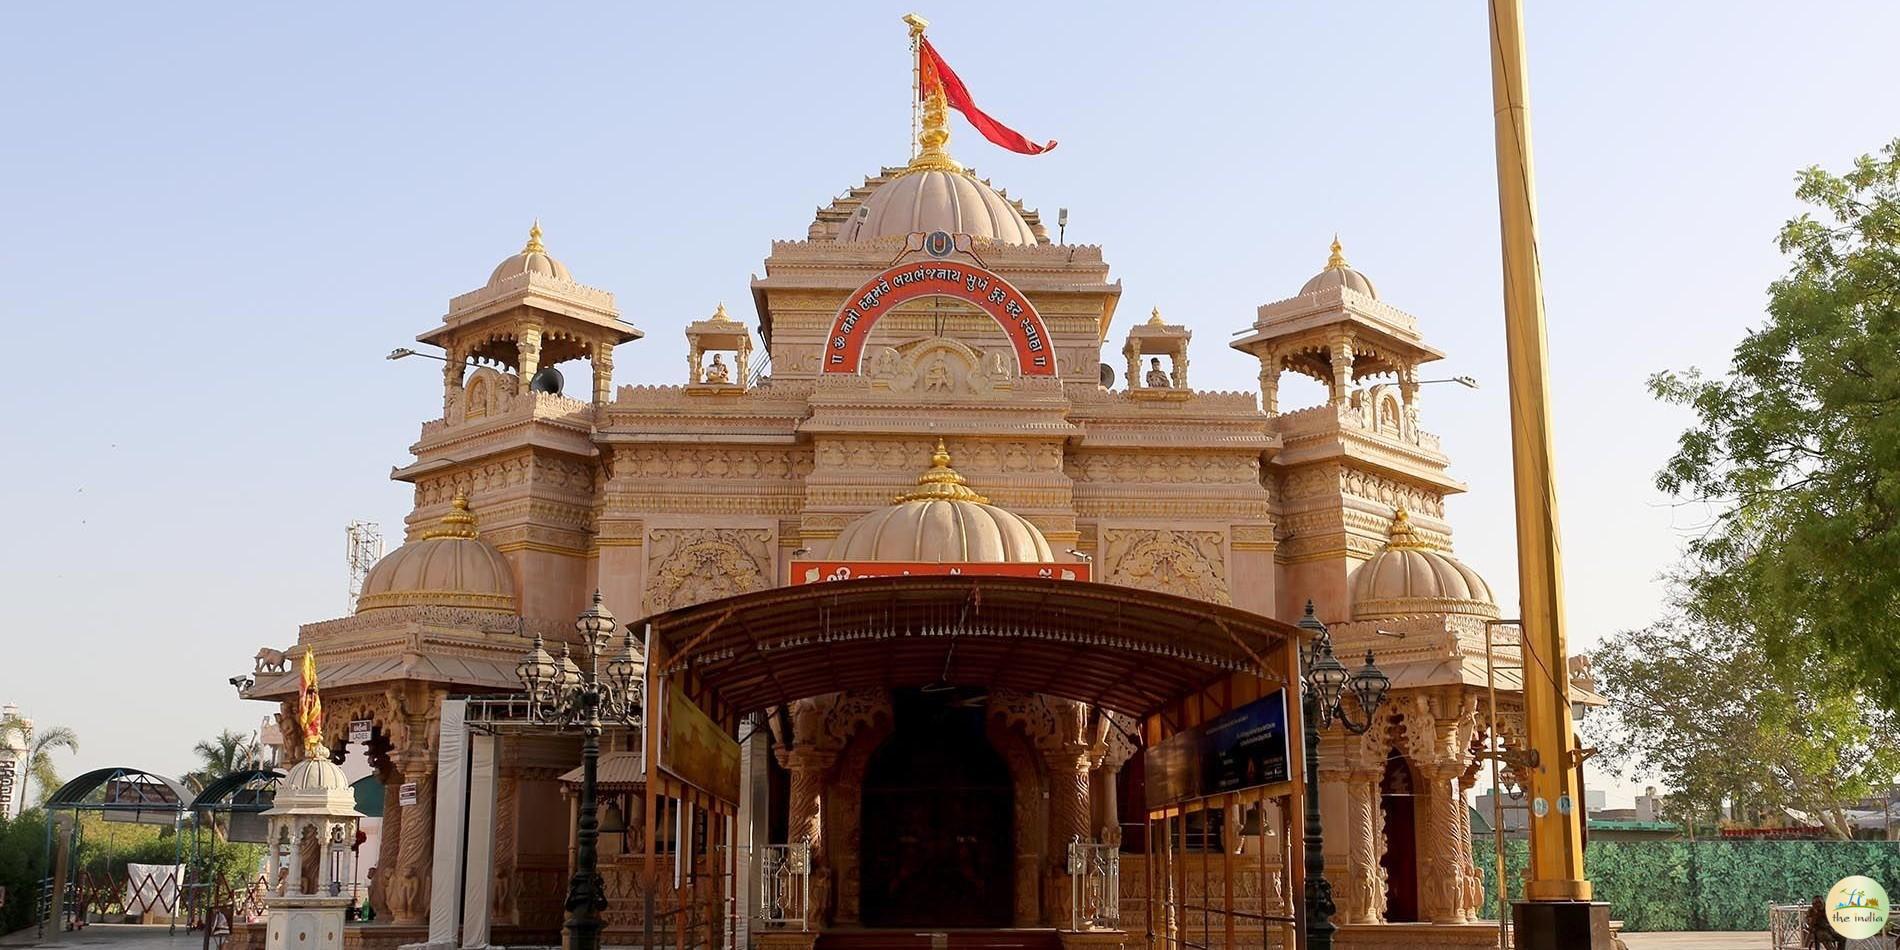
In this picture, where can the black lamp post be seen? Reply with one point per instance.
(1323, 685)
(562, 695)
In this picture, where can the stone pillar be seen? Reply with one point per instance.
(603, 373)
(452, 371)
(1473, 903)
(1441, 883)
(1132, 353)
(409, 886)
(806, 816)
(693, 373)
(527, 355)
(1179, 368)
(1362, 900)
(1342, 369)
(1068, 769)
(389, 847)
(1270, 384)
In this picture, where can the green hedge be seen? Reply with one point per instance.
(1705, 885)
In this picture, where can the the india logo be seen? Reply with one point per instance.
(1857, 907)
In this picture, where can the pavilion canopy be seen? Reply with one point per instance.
(1129, 650)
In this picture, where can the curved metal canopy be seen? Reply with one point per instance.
(1126, 649)
(138, 791)
(215, 795)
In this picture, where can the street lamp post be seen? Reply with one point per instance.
(1324, 683)
(563, 695)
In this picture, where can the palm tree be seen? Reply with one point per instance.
(39, 755)
(221, 755)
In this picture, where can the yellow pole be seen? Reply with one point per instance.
(1556, 836)
(917, 25)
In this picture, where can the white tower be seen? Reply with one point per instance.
(311, 828)
(14, 740)
(365, 549)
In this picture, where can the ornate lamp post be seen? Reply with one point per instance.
(1323, 687)
(563, 695)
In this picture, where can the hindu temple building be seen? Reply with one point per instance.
(922, 377)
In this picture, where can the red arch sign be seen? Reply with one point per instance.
(984, 289)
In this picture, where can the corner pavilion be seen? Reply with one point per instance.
(883, 418)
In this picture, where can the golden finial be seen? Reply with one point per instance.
(458, 523)
(1338, 260)
(1154, 318)
(916, 24)
(534, 240)
(932, 156)
(1403, 538)
(720, 314)
(940, 482)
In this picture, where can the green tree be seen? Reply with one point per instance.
(1702, 708)
(1797, 447)
(40, 747)
(219, 756)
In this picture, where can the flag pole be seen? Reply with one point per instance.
(1558, 913)
(917, 25)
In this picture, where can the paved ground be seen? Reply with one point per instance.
(1731, 940)
(111, 937)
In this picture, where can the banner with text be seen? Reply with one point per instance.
(818, 572)
(969, 283)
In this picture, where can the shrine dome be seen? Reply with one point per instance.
(1412, 576)
(938, 200)
(942, 519)
(316, 773)
(448, 566)
(1338, 273)
(533, 259)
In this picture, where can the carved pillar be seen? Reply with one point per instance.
(408, 888)
(1408, 384)
(1180, 368)
(1132, 353)
(503, 894)
(1342, 369)
(1473, 893)
(603, 359)
(806, 815)
(527, 355)
(693, 374)
(1441, 884)
(1362, 900)
(1270, 383)
(1068, 769)
(452, 371)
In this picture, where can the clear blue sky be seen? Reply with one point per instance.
(222, 216)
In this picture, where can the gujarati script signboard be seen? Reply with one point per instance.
(967, 282)
(818, 572)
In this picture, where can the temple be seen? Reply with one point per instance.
(935, 382)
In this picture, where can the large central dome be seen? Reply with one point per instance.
(941, 520)
(936, 193)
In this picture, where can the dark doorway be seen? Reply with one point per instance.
(938, 808)
(1401, 841)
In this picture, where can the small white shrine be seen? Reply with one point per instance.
(312, 833)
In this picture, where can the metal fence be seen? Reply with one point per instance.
(785, 885)
(1095, 885)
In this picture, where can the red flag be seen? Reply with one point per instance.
(937, 74)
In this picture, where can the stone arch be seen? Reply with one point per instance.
(845, 819)
(969, 283)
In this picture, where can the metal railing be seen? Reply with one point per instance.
(1095, 885)
(785, 885)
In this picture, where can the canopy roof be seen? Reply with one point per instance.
(1129, 650)
(134, 790)
(217, 795)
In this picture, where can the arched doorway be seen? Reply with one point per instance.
(937, 815)
(1401, 840)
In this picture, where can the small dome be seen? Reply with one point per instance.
(1412, 577)
(533, 259)
(447, 567)
(1339, 274)
(937, 200)
(316, 774)
(941, 520)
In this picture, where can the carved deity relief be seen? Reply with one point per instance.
(488, 392)
(687, 566)
(1187, 563)
(940, 366)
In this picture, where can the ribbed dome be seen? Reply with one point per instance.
(1339, 274)
(1412, 577)
(937, 200)
(447, 567)
(533, 259)
(316, 774)
(941, 520)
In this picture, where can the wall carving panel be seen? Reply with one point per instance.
(687, 566)
(1187, 563)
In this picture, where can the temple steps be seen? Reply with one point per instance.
(915, 938)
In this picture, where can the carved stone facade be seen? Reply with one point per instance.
(668, 495)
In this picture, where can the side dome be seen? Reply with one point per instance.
(316, 773)
(938, 200)
(942, 519)
(1338, 273)
(533, 259)
(1412, 577)
(449, 566)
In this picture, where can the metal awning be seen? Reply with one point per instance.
(1129, 650)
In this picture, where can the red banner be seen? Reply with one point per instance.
(958, 281)
(818, 572)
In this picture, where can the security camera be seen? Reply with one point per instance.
(241, 681)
